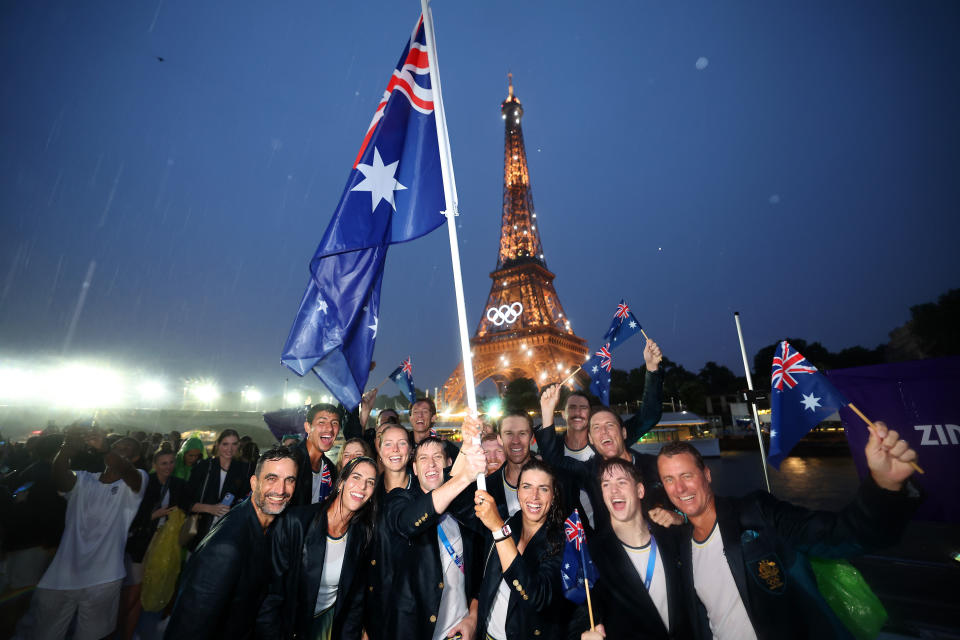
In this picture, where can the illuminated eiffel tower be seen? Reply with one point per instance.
(523, 332)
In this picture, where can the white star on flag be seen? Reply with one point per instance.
(595, 368)
(322, 306)
(379, 180)
(809, 402)
(374, 326)
(632, 325)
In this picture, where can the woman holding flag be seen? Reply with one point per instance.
(521, 593)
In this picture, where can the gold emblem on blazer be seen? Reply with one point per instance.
(769, 572)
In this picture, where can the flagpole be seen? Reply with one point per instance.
(451, 213)
(753, 403)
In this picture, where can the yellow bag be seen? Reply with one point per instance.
(161, 564)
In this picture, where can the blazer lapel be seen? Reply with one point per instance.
(350, 558)
(729, 525)
(314, 551)
(626, 575)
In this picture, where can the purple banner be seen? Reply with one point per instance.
(919, 400)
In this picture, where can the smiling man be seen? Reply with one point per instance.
(423, 415)
(226, 578)
(439, 578)
(747, 557)
(516, 434)
(643, 592)
(317, 475)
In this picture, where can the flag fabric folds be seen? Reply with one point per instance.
(577, 567)
(800, 398)
(394, 193)
(624, 325)
(403, 377)
(598, 367)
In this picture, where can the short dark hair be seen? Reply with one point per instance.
(278, 452)
(394, 417)
(327, 408)
(675, 448)
(428, 440)
(430, 403)
(577, 393)
(516, 413)
(628, 469)
(605, 409)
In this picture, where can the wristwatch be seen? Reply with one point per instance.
(503, 534)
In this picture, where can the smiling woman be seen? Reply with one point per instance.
(328, 540)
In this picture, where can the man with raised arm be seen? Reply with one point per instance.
(85, 576)
(747, 557)
(437, 583)
(576, 415)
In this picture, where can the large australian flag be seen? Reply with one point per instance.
(598, 367)
(394, 193)
(624, 325)
(800, 398)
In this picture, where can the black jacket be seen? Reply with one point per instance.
(388, 548)
(142, 528)
(297, 551)
(419, 579)
(225, 580)
(620, 600)
(303, 492)
(766, 543)
(537, 607)
(207, 473)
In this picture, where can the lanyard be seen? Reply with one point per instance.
(457, 559)
(651, 562)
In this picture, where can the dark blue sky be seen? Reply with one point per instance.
(806, 176)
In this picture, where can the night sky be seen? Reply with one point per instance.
(794, 161)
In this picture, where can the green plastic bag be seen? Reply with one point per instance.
(850, 597)
(161, 564)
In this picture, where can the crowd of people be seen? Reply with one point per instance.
(395, 540)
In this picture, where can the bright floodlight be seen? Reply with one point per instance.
(294, 398)
(205, 392)
(85, 386)
(252, 395)
(152, 390)
(495, 409)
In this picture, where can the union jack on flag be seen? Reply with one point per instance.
(403, 377)
(606, 359)
(574, 529)
(788, 364)
(800, 398)
(623, 326)
(407, 367)
(325, 479)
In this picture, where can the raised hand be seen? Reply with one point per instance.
(652, 355)
(486, 509)
(548, 403)
(889, 457)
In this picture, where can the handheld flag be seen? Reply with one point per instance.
(577, 568)
(624, 325)
(800, 398)
(394, 193)
(598, 367)
(403, 377)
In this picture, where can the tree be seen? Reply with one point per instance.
(521, 395)
(719, 380)
(931, 331)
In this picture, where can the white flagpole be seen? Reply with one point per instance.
(452, 211)
(753, 403)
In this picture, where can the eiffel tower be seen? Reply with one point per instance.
(523, 332)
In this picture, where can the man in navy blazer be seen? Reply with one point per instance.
(746, 558)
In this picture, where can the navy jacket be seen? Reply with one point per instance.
(419, 583)
(225, 580)
(620, 599)
(303, 492)
(297, 551)
(766, 543)
(537, 607)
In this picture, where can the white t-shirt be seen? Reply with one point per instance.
(317, 484)
(510, 491)
(497, 620)
(640, 557)
(718, 591)
(332, 568)
(582, 455)
(453, 599)
(97, 521)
